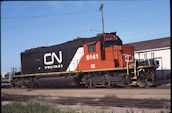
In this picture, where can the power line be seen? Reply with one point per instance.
(40, 16)
(38, 25)
(74, 20)
(160, 33)
(165, 34)
(144, 30)
(153, 34)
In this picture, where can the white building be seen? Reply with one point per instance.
(158, 49)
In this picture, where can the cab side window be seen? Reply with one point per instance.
(91, 48)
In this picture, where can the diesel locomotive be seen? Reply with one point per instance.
(100, 61)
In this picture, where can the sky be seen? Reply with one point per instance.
(31, 24)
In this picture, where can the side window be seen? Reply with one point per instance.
(92, 48)
(89, 48)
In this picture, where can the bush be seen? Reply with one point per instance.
(17, 107)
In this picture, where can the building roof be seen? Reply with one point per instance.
(151, 44)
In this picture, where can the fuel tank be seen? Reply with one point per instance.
(57, 82)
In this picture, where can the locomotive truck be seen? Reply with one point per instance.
(100, 61)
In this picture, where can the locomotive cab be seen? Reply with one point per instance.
(108, 52)
(122, 54)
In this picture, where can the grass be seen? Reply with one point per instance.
(33, 107)
(29, 107)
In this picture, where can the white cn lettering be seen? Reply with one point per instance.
(52, 55)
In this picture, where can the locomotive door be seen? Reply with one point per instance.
(102, 50)
(36, 62)
(115, 54)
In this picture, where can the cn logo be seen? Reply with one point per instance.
(53, 56)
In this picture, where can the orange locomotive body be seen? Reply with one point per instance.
(108, 63)
(110, 57)
(99, 55)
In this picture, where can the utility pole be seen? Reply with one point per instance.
(101, 7)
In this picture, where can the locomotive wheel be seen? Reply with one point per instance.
(108, 85)
(30, 85)
(152, 79)
(19, 83)
(107, 81)
(127, 81)
(29, 82)
(12, 83)
(142, 79)
(90, 84)
(141, 83)
(36, 83)
(149, 83)
(87, 81)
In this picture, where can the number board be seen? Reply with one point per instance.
(109, 37)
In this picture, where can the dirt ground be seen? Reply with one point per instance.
(133, 93)
(151, 100)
